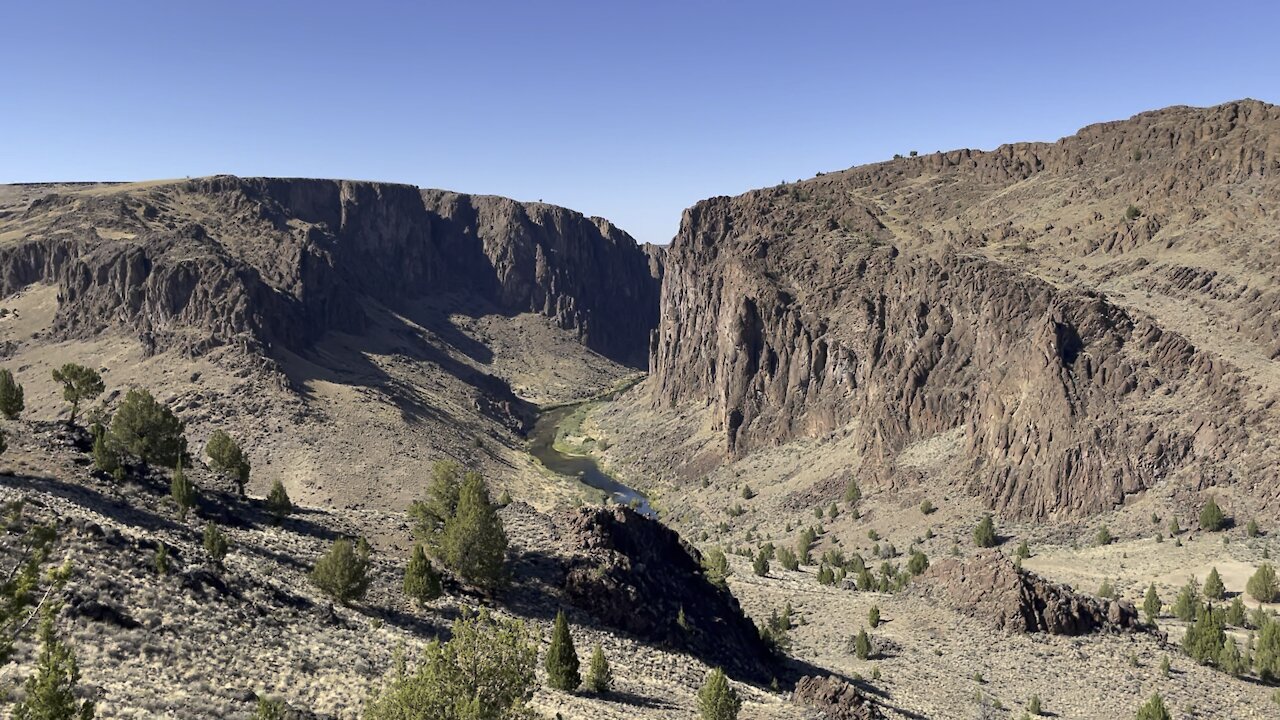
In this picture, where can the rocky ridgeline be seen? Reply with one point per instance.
(637, 575)
(262, 262)
(991, 589)
(886, 295)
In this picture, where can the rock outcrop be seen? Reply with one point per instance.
(635, 574)
(834, 698)
(991, 589)
(268, 262)
(971, 291)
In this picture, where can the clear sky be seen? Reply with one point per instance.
(630, 110)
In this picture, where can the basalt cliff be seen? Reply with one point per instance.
(1085, 318)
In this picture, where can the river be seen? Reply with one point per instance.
(583, 467)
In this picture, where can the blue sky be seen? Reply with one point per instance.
(632, 111)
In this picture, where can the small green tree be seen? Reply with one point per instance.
(105, 458)
(1235, 612)
(1132, 213)
(761, 564)
(1266, 657)
(1230, 661)
(1104, 536)
(430, 515)
(79, 384)
(1212, 518)
(421, 581)
(985, 534)
(787, 559)
(343, 572)
(1151, 604)
(1188, 602)
(715, 566)
(918, 563)
(1251, 528)
(862, 645)
(11, 396)
(852, 493)
(717, 700)
(1154, 708)
(160, 561)
(1203, 641)
(278, 502)
(147, 429)
(599, 675)
(475, 543)
(562, 659)
(215, 543)
(1174, 528)
(873, 616)
(1263, 586)
(270, 709)
(1213, 587)
(182, 492)
(227, 457)
(826, 576)
(1106, 590)
(1023, 552)
(926, 507)
(50, 691)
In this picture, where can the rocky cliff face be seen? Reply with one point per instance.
(1007, 295)
(275, 261)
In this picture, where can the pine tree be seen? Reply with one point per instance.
(182, 492)
(1213, 587)
(278, 502)
(1153, 710)
(50, 691)
(475, 544)
(1151, 604)
(228, 458)
(562, 658)
(1263, 586)
(11, 396)
(147, 429)
(599, 676)
(343, 572)
(985, 534)
(215, 543)
(421, 581)
(79, 384)
(716, 699)
(1211, 517)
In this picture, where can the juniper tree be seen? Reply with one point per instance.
(147, 429)
(862, 645)
(1235, 612)
(278, 502)
(1104, 536)
(715, 566)
(1211, 517)
(343, 572)
(1153, 709)
(105, 458)
(787, 559)
(11, 396)
(761, 564)
(984, 535)
(215, 543)
(430, 515)
(160, 561)
(50, 691)
(716, 699)
(1229, 659)
(1266, 657)
(79, 384)
(474, 543)
(1023, 552)
(227, 457)
(562, 658)
(1213, 587)
(29, 579)
(1151, 604)
(873, 616)
(599, 675)
(182, 492)
(1188, 602)
(918, 563)
(1203, 641)
(1251, 528)
(1263, 586)
(421, 581)
(1106, 590)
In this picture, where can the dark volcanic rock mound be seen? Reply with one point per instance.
(834, 698)
(636, 575)
(990, 588)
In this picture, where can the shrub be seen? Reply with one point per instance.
(147, 429)
(826, 576)
(1033, 705)
(599, 675)
(270, 709)
(985, 534)
(160, 561)
(1188, 602)
(862, 645)
(787, 559)
(804, 543)
(215, 543)
(918, 563)
(716, 699)
(474, 541)
(79, 384)
(1131, 213)
(421, 581)
(1104, 536)
(761, 564)
(747, 492)
(873, 616)
(27, 577)
(227, 458)
(1213, 587)
(1023, 552)
(278, 502)
(715, 566)
(1229, 659)
(1151, 604)
(11, 396)
(1251, 529)
(50, 691)
(562, 659)
(852, 493)
(1106, 591)
(182, 492)
(1174, 528)
(1211, 517)
(927, 508)
(105, 458)
(486, 667)
(343, 572)
(1262, 586)
(1153, 710)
